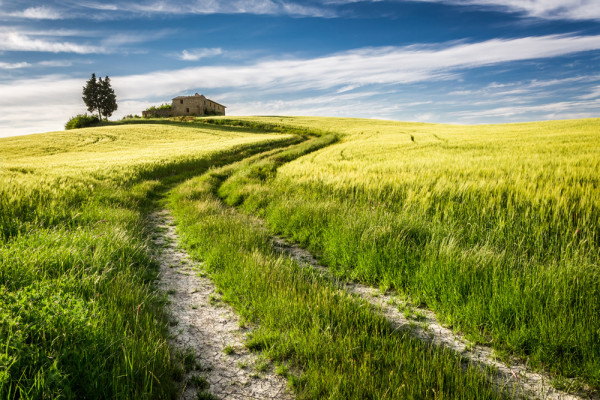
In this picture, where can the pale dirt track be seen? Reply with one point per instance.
(516, 379)
(207, 326)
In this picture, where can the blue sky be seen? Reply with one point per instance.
(456, 61)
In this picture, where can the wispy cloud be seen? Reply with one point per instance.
(594, 93)
(17, 65)
(197, 54)
(15, 40)
(382, 65)
(41, 12)
(548, 9)
(70, 41)
(257, 7)
(43, 64)
(555, 109)
(354, 76)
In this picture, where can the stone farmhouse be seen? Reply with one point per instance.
(196, 105)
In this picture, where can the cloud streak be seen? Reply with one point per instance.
(197, 54)
(256, 7)
(41, 12)
(547, 9)
(383, 65)
(15, 40)
(544, 9)
(360, 70)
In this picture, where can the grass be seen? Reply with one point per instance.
(79, 317)
(343, 349)
(496, 227)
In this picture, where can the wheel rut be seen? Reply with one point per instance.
(516, 379)
(209, 328)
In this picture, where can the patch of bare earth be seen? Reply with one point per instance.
(515, 379)
(208, 327)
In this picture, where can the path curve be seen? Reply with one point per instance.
(208, 326)
(515, 379)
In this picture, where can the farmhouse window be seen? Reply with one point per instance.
(181, 101)
(187, 110)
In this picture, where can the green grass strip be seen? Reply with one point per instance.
(79, 315)
(331, 345)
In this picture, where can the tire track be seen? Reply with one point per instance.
(208, 327)
(516, 379)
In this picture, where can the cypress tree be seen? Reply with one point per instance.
(99, 95)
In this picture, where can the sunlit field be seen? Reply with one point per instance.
(78, 315)
(494, 227)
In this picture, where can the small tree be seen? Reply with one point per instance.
(91, 95)
(108, 99)
(99, 95)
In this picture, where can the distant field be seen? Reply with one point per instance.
(496, 228)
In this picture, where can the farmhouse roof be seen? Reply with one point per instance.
(194, 96)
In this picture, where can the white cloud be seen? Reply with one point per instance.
(16, 65)
(587, 108)
(196, 54)
(54, 41)
(593, 94)
(497, 90)
(55, 63)
(12, 40)
(257, 7)
(547, 9)
(300, 81)
(384, 65)
(41, 12)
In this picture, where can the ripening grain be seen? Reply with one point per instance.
(496, 227)
(78, 315)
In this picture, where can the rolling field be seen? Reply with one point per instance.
(496, 228)
(78, 315)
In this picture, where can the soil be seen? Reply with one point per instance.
(204, 324)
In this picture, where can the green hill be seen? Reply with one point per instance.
(495, 227)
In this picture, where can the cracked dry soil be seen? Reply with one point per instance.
(208, 326)
(516, 379)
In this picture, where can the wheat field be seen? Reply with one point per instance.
(496, 228)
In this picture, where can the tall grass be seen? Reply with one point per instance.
(331, 345)
(495, 227)
(79, 317)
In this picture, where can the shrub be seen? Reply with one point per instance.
(130, 116)
(81, 121)
(157, 112)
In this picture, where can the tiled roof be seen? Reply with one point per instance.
(196, 96)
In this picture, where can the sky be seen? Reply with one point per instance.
(451, 61)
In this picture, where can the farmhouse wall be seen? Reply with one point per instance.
(196, 105)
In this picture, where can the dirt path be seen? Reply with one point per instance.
(208, 327)
(515, 379)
